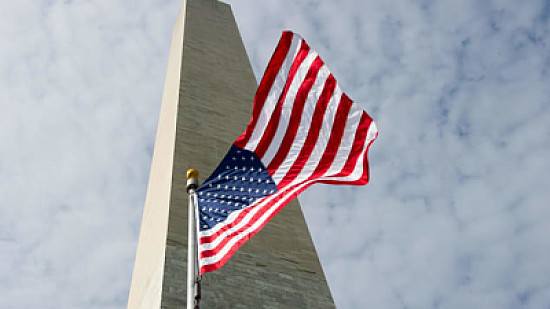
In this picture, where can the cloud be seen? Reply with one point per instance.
(80, 88)
(455, 215)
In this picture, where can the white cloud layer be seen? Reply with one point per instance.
(456, 214)
(80, 89)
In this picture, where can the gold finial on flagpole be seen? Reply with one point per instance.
(192, 173)
(192, 179)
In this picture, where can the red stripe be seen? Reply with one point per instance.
(266, 83)
(313, 133)
(327, 159)
(361, 181)
(331, 150)
(263, 209)
(364, 179)
(254, 218)
(335, 137)
(357, 146)
(240, 217)
(271, 128)
(296, 115)
(227, 256)
(227, 238)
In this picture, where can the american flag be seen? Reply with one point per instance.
(303, 130)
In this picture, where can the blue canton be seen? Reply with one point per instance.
(236, 183)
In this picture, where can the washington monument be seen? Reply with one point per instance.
(207, 102)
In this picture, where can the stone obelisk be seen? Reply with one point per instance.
(206, 105)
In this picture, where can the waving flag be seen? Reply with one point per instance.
(303, 130)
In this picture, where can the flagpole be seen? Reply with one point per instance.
(193, 283)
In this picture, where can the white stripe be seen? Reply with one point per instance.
(355, 175)
(255, 207)
(359, 166)
(371, 134)
(287, 107)
(354, 117)
(233, 216)
(322, 140)
(274, 92)
(305, 123)
(215, 258)
(243, 222)
(230, 219)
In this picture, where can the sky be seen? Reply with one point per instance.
(457, 214)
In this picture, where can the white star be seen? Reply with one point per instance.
(249, 190)
(222, 202)
(204, 217)
(229, 203)
(200, 193)
(205, 226)
(251, 158)
(219, 186)
(251, 179)
(215, 195)
(265, 191)
(204, 209)
(207, 193)
(252, 169)
(267, 181)
(233, 158)
(236, 168)
(242, 189)
(238, 151)
(257, 190)
(235, 178)
(219, 176)
(210, 209)
(234, 188)
(237, 204)
(244, 178)
(210, 185)
(243, 158)
(226, 177)
(226, 187)
(227, 167)
(272, 191)
(259, 180)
